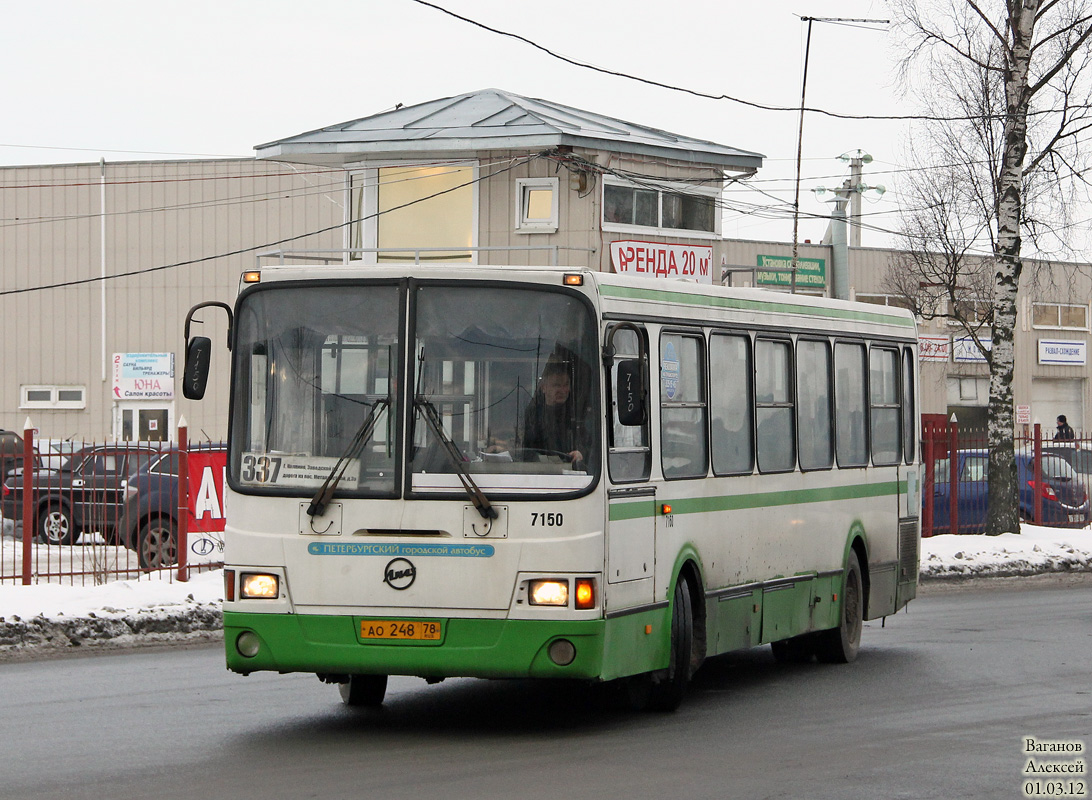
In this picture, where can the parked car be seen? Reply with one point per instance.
(85, 494)
(150, 515)
(53, 453)
(1064, 496)
(11, 453)
(1077, 454)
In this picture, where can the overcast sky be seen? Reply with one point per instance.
(138, 79)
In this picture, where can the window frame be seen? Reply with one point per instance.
(862, 347)
(702, 403)
(1058, 307)
(613, 466)
(892, 351)
(830, 405)
(749, 406)
(790, 404)
(524, 186)
(661, 188)
(54, 402)
(368, 217)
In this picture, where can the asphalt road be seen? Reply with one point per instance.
(938, 705)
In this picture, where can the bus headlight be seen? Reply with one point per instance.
(548, 592)
(258, 586)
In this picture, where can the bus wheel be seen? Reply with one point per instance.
(366, 691)
(839, 645)
(667, 695)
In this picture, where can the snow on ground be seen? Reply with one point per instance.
(160, 608)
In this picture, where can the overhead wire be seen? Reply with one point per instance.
(515, 162)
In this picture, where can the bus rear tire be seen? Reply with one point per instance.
(668, 694)
(840, 645)
(363, 691)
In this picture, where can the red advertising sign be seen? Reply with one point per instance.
(207, 470)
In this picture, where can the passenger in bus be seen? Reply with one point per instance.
(551, 424)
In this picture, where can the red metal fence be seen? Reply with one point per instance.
(112, 511)
(1054, 479)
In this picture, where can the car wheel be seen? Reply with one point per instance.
(840, 645)
(55, 524)
(157, 543)
(366, 691)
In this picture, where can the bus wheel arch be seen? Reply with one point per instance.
(840, 644)
(687, 640)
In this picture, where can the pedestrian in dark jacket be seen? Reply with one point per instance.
(1065, 433)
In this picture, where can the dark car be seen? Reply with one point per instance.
(150, 515)
(11, 454)
(86, 494)
(1064, 496)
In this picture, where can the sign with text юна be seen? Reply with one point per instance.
(143, 376)
(810, 272)
(659, 260)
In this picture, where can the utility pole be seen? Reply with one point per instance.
(800, 134)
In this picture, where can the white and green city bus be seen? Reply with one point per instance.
(720, 468)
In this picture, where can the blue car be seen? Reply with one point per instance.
(1064, 497)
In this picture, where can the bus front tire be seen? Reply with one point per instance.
(668, 694)
(840, 645)
(363, 691)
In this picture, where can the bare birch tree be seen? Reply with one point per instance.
(1000, 164)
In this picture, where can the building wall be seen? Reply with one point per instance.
(201, 222)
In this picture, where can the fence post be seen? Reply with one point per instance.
(929, 485)
(183, 500)
(28, 498)
(953, 476)
(1037, 456)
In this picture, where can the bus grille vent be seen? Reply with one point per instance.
(909, 542)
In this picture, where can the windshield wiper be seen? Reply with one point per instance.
(360, 438)
(477, 497)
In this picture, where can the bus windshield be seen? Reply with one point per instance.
(502, 389)
(509, 372)
(316, 367)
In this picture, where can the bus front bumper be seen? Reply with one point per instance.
(483, 648)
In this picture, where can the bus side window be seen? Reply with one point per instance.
(774, 408)
(682, 406)
(731, 405)
(885, 414)
(909, 415)
(630, 457)
(813, 393)
(850, 387)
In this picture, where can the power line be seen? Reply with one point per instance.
(267, 245)
(692, 92)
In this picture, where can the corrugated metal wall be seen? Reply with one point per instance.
(158, 216)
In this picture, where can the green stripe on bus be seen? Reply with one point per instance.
(738, 304)
(737, 502)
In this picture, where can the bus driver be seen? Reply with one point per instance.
(550, 423)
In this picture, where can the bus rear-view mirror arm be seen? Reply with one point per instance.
(195, 374)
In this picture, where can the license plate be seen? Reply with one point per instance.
(1076, 517)
(412, 629)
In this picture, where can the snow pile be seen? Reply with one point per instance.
(158, 608)
(151, 610)
(1035, 550)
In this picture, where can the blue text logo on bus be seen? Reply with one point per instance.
(397, 550)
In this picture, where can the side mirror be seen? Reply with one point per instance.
(195, 376)
(629, 392)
